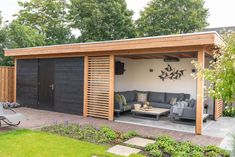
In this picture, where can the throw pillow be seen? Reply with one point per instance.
(184, 103)
(173, 101)
(124, 100)
(187, 100)
(118, 99)
(142, 97)
(191, 103)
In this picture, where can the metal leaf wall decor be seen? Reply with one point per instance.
(170, 73)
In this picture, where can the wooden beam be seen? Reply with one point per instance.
(118, 52)
(200, 94)
(50, 56)
(171, 41)
(183, 55)
(111, 87)
(208, 51)
(172, 56)
(85, 86)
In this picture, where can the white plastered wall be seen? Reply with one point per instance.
(138, 77)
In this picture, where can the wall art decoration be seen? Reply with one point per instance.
(171, 73)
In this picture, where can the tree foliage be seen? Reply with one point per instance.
(100, 20)
(3, 37)
(0, 18)
(221, 72)
(21, 36)
(163, 17)
(16, 35)
(48, 17)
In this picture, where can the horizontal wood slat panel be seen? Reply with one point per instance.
(92, 91)
(98, 88)
(94, 112)
(97, 98)
(218, 108)
(97, 116)
(104, 108)
(6, 84)
(98, 112)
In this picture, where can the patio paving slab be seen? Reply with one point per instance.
(123, 150)
(39, 118)
(141, 142)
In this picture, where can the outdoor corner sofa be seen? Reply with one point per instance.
(159, 100)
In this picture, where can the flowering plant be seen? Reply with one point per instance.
(221, 72)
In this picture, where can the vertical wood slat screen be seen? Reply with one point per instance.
(98, 87)
(218, 109)
(6, 84)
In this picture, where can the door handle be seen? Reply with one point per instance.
(52, 86)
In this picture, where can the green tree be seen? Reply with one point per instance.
(221, 72)
(48, 17)
(21, 36)
(4, 61)
(16, 35)
(0, 18)
(164, 17)
(99, 20)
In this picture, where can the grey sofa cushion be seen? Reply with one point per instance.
(192, 103)
(129, 95)
(156, 97)
(160, 105)
(127, 107)
(186, 96)
(179, 96)
(132, 104)
(142, 97)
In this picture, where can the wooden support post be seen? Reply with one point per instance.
(85, 99)
(111, 87)
(15, 80)
(200, 94)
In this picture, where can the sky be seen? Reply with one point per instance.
(222, 12)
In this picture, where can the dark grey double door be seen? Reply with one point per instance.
(51, 84)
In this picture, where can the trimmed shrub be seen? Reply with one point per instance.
(129, 134)
(229, 111)
(166, 146)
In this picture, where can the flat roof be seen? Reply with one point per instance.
(156, 42)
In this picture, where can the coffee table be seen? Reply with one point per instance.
(154, 112)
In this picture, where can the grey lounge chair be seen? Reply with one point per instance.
(10, 117)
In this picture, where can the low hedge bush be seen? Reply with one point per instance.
(163, 147)
(229, 111)
(129, 134)
(166, 146)
(103, 135)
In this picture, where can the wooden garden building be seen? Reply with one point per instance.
(80, 78)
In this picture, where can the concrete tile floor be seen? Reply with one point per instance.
(163, 123)
(223, 128)
(140, 142)
(123, 150)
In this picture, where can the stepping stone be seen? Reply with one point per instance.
(141, 142)
(123, 150)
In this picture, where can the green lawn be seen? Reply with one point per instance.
(26, 143)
